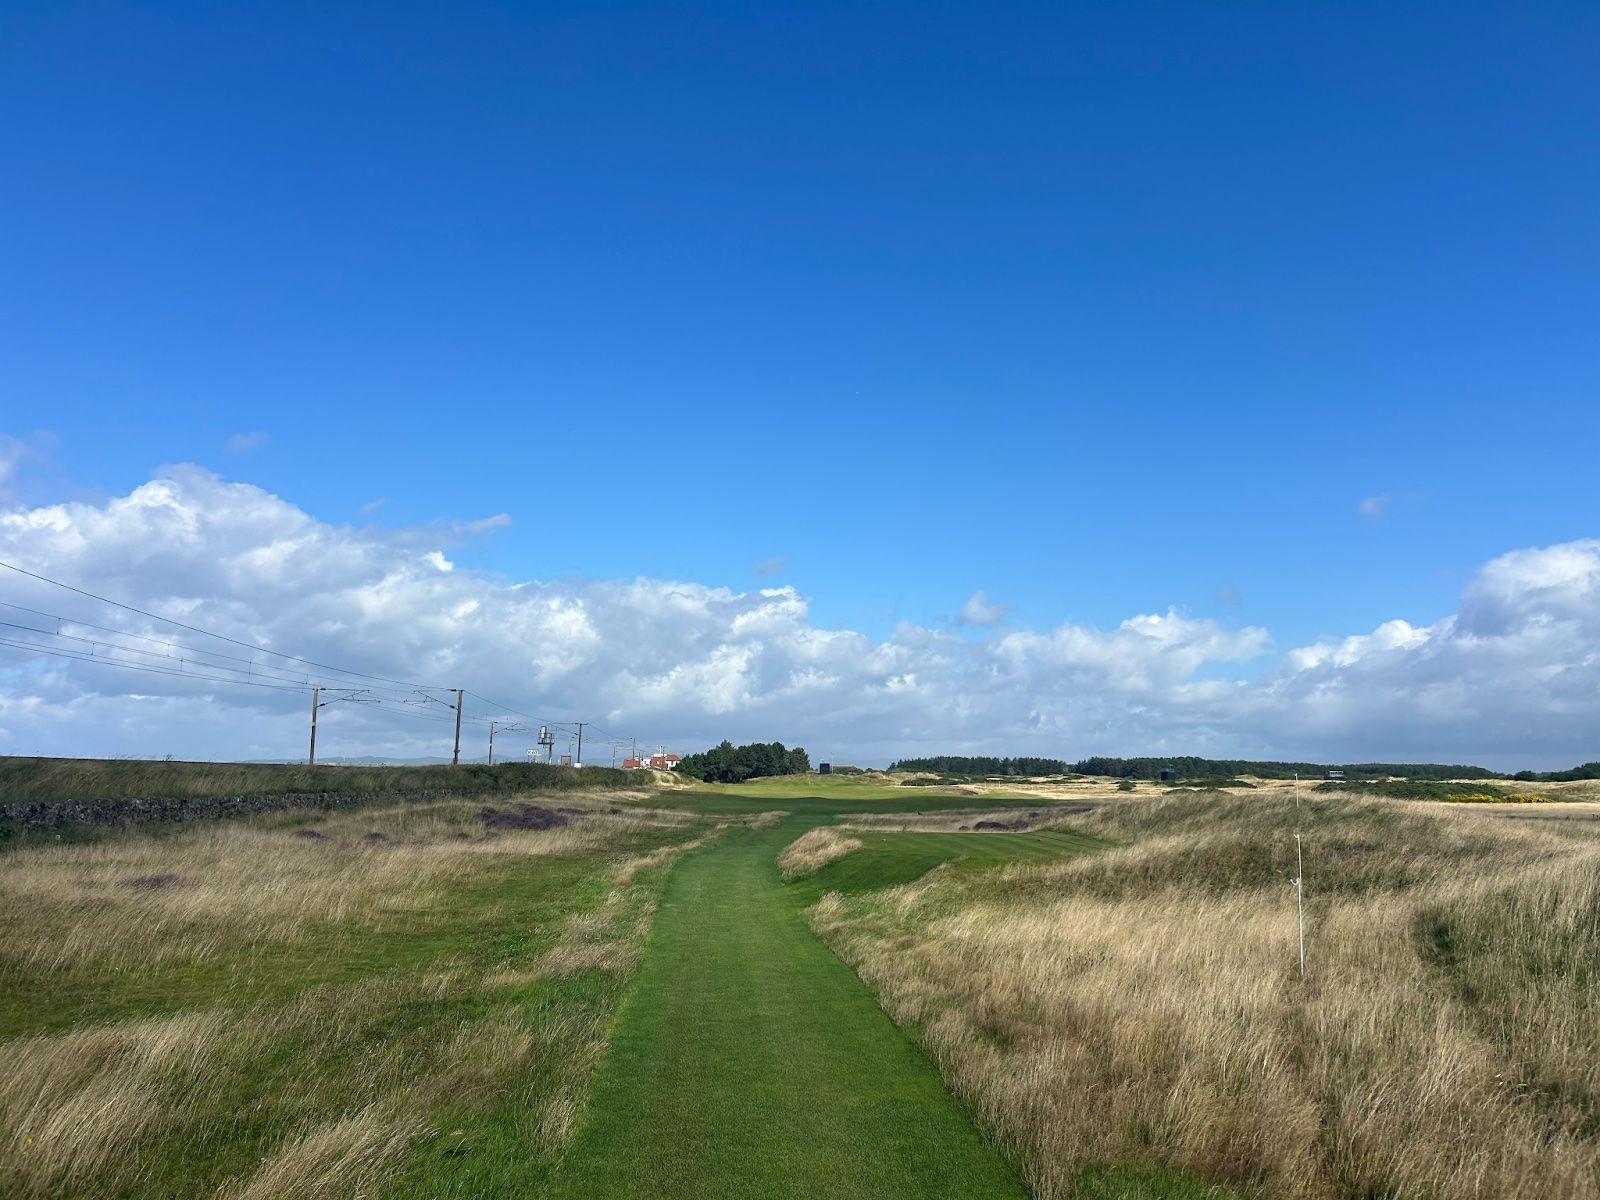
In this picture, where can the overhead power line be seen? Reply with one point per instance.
(178, 660)
(148, 670)
(221, 637)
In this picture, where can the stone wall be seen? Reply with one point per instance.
(50, 814)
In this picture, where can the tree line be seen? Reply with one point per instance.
(1191, 767)
(1188, 767)
(1586, 771)
(958, 764)
(727, 763)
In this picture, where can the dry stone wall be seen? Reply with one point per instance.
(50, 814)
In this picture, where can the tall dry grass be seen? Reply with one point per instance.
(131, 903)
(184, 922)
(813, 850)
(1144, 1004)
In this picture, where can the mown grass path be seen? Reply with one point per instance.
(751, 1062)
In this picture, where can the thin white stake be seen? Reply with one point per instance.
(1300, 901)
(1299, 877)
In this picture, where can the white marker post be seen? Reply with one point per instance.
(1300, 901)
(1299, 877)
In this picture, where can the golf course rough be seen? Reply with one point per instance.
(749, 1061)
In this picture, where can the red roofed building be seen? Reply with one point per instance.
(656, 762)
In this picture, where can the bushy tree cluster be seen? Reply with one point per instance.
(727, 763)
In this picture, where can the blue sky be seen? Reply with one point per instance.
(1101, 309)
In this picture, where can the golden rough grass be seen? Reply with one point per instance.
(813, 850)
(73, 1104)
(1144, 1004)
(347, 1157)
(78, 1106)
(625, 873)
(126, 904)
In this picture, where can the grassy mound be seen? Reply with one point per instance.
(1474, 792)
(813, 850)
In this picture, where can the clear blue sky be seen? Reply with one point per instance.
(1099, 308)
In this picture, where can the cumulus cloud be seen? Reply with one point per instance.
(1510, 679)
(976, 610)
(243, 443)
(769, 568)
(1373, 507)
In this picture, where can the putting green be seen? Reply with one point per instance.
(749, 1061)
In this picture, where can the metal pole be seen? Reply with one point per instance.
(311, 758)
(578, 762)
(455, 755)
(491, 743)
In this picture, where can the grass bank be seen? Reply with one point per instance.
(1140, 1009)
(51, 780)
(1457, 791)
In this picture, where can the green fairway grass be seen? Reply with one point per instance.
(827, 796)
(751, 1062)
(888, 859)
(839, 787)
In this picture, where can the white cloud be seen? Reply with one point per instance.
(768, 568)
(12, 452)
(15, 452)
(465, 529)
(243, 443)
(1374, 507)
(976, 610)
(372, 506)
(1511, 679)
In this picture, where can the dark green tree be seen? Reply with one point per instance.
(727, 763)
